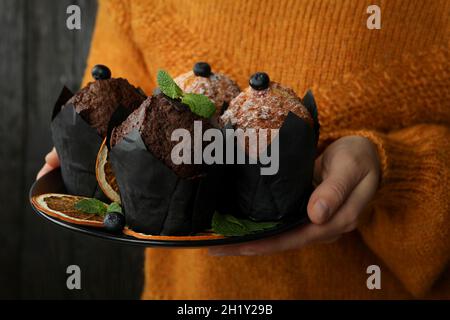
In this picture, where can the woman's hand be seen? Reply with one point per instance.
(51, 162)
(347, 176)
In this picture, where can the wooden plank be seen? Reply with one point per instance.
(56, 57)
(12, 130)
(47, 250)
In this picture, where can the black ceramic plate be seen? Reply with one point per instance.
(52, 183)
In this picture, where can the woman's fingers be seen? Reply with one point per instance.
(286, 241)
(290, 240)
(52, 158)
(344, 220)
(349, 212)
(51, 162)
(331, 239)
(44, 170)
(340, 178)
(317, 176)
(348, 175)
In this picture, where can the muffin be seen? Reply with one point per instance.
(216, 86)
(265, 104)
(159, 196)
(284, 191)
(98, 100)
(80, 123)
(155, 120)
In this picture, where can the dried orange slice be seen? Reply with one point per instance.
(62, 206)
(196, 237)
(105, 176)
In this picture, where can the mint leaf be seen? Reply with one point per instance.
(224, 225)
(253, 226)
(231, 226)
(199, 104)
(168, 86)
(114, 207)
(233, 219)
(91, 206)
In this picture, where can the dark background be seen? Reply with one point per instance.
(38, 55)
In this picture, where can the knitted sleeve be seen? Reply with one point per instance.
(404, 109)
(408, 225)
(112, 45)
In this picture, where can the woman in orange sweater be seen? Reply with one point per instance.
(382, 195)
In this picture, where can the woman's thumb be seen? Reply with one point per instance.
(328, 197)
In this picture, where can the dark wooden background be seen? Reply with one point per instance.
(38, 55)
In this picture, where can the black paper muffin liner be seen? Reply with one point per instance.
(259, 197)
(155, 200)
(77, 145)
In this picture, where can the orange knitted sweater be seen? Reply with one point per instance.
(390, 85)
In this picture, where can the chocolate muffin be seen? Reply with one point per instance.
(159, 195)
(99, 99)
(216, 86)
(156, 119)
(79, 124)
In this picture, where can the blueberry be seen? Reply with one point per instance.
(101, 72)
(114, 222)
(202, 69)
(259, 81)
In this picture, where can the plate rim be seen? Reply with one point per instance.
(125, 239)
